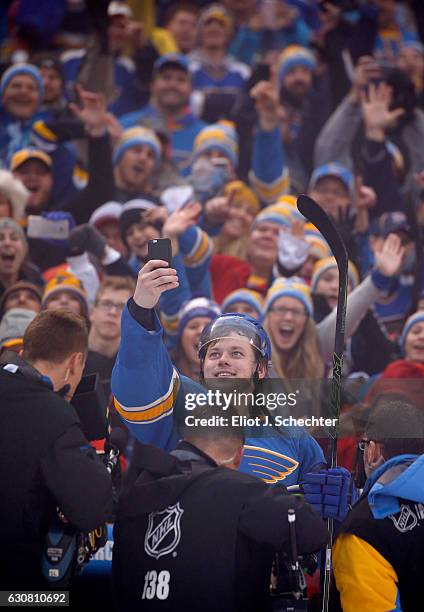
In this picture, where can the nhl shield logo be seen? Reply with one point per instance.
(405, 520)
(163, 531)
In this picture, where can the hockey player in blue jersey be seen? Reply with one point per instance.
(150, 394)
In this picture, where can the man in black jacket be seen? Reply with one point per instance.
(45, 460)
(193, 535)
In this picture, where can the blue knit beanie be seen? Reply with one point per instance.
(221, 136)
(28, 69)
(137, 136)
(418, 317)
(294, 55)
(246, 296)
(198, 307)
(293, 287)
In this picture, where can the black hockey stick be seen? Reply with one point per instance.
(418, 270)
(316, 215)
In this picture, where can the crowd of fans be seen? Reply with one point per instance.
(202, 122)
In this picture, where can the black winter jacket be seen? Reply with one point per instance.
(192, 536)
(45, 463)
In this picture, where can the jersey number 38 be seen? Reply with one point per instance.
(156, 585)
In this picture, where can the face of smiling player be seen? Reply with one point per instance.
(231, 357)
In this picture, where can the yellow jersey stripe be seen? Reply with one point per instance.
(157, 402)
(146, 416)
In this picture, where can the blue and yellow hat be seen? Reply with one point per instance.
(281, 214)
(294, 55)
(327, 263)
(136, 136)
(293, 287)
(221, 136)
(246, 296)
(290, 204)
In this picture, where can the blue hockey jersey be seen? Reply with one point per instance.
(150, 398)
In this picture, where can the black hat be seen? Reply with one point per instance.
(133, 212)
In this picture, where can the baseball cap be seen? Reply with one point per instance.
(23, 155)
(171, 59)
(333, 169)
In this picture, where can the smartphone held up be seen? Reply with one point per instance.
(160, 248)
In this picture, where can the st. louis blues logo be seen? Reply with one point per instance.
(163, 531)
(268, 465)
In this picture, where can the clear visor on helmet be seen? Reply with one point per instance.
(230, 327)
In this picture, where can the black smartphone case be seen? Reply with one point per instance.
(160, 248)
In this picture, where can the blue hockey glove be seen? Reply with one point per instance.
(328, 492)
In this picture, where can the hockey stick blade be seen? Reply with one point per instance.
(316, 215)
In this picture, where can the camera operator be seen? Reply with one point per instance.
(193, 533)
(46, 462)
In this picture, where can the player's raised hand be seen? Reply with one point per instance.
(154, 278)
